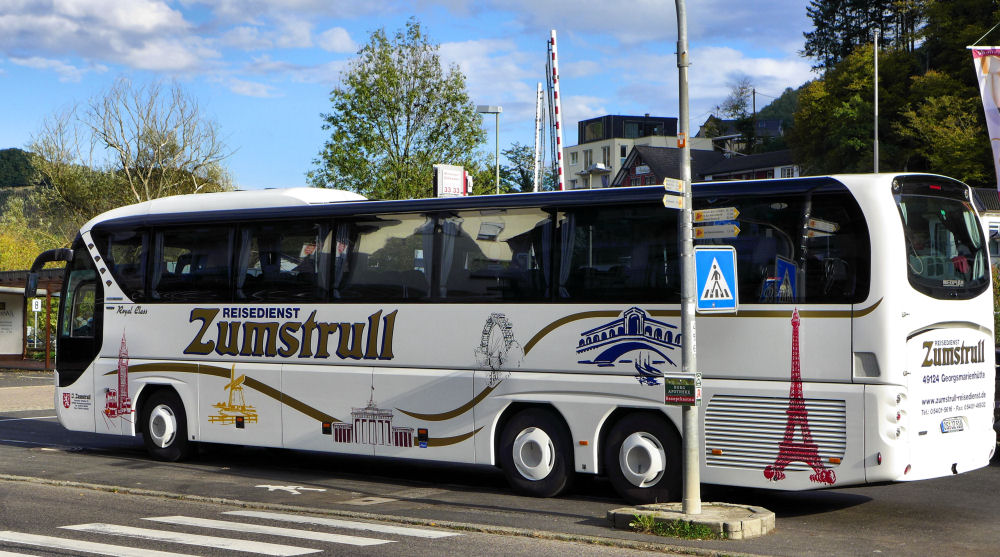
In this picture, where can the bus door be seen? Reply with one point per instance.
(80, 334)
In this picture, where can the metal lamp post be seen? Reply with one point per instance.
(495, 110)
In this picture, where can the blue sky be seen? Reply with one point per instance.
(263, 69)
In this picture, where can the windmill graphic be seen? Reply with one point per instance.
(790, 450)
(236, 410)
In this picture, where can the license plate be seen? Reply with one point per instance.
(949, 425)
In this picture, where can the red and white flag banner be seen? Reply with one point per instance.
(987, 61)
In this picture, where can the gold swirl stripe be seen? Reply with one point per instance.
(804, 313)
(453, 413)
(564, 320)
(216, 371)
(445, 441)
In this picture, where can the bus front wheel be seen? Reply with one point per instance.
(642, 456)
(535, 453)
(164, 427)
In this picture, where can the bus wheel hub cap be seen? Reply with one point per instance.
(534, 453)
(162, 426)
(642, 459)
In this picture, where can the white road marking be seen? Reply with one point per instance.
(293, 489)
(79, 546)
(192, 539)
(366, 526)
(269, 530)
(9, 554)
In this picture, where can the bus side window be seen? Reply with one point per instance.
(495, 255)
(383, 259)
(283, 262)
(619, 254)
(124, 252)
(837, 250)
(192, 264)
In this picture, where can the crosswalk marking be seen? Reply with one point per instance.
(271, 530)
(80, 546)
(193, 539)
(365, 526)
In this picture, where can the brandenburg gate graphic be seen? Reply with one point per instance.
(372, 425)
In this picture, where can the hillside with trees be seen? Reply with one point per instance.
(930, 115)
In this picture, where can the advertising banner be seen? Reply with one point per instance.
(987, 61)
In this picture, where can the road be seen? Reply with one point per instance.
(84, 478)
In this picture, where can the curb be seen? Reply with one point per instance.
(734, 522)
(449, 525)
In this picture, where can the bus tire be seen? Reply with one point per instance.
(535, 453)
(164, 427)
(642, 456)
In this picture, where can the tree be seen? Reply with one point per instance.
(518, 176)
(739, 107)
(130, 144)
(841, 26)
(395, 114)
(834, 128)
(158, 139)
(15, 168)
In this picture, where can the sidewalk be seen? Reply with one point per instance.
(35, 365)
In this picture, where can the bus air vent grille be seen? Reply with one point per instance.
(746, 431)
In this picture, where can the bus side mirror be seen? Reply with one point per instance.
(61, 254)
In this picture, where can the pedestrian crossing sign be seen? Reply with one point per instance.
(716, 279)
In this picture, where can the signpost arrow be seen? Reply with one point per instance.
(673, 201)
(716, 231)
(719, 213)
(674, 185)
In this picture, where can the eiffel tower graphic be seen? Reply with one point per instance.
(790, 450)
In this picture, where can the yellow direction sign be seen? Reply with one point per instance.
(673, 201)
(674, 185)
(719, 213)
(716, 231)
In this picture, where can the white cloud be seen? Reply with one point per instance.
(66, 72)
(293, 32)
(251, 89)
(337, 39)
(327, 73)
(496, 73)
(246, 37)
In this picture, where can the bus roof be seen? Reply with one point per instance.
(303, 202)
(229, 201)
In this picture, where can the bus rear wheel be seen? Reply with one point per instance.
(164, 427)
(642, 456)
(535, 453)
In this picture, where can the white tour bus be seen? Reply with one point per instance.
(536, 332)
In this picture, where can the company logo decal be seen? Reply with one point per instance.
(370, 340)
(66, 400)
(633, 339)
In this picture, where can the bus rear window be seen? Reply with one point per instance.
(946, 253)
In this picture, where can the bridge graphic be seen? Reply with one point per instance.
(634, 332)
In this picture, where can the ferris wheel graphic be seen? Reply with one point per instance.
(498, 347)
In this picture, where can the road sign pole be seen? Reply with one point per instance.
(691, 498)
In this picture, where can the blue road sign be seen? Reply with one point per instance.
(716, 273)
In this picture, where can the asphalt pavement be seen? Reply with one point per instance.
(952, 515)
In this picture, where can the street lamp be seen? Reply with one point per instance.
(495, 111)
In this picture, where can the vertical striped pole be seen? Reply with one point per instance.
(557, 110)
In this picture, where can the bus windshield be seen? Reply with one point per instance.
(945, 249)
